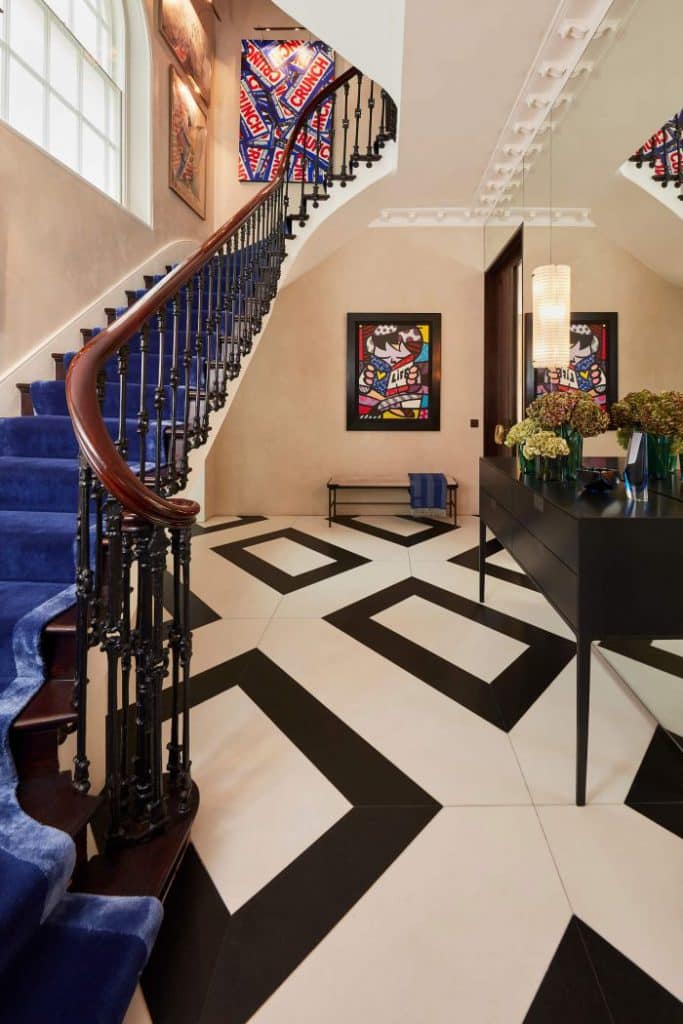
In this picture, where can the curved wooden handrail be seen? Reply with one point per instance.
(95, 443)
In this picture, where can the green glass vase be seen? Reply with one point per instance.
(661, 463)
(549, 470)
(575, 458)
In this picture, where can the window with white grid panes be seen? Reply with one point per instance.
(61, 77)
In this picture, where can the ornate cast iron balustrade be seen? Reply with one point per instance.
(161, 369)
(662, 153)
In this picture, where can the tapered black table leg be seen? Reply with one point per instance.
(482, 558)
(583, 686)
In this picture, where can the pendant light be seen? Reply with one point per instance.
(551, 301)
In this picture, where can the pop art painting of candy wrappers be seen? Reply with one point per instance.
(278, 78)
(393, 371)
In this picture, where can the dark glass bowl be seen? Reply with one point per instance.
(598, 479)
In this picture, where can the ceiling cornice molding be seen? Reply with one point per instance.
(560, 58)
(474, 217)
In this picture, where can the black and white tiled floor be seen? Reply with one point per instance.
(387, 831)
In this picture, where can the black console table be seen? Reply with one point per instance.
(610, 568)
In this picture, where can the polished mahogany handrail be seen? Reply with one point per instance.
(96, 445)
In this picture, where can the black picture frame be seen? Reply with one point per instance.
(354, 421)
(611, 323)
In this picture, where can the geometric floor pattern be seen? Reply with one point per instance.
(387, 830)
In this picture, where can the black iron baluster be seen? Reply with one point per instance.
(122, 366)
(233, 323)
(370, 154)
(381, 135)
(175, 638)
(358, 113)
(317, 117)
(302, 202)
(187, 365)
(126, 640)
(111, 645)
(84, 593)
(159, 666)
(329, 174)
(159, 396)
(208, 333)
(173, 380)
(199, 362)
(143, 414)
(217, 332)
(182, 540)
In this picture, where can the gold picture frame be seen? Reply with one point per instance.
(187, 144)
(180, 26)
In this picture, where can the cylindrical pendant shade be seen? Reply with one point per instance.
(551, 301)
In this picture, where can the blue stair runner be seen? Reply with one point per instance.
(64, 957)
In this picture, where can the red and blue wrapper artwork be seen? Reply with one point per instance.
(278, 78)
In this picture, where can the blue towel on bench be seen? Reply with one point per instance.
(428, 492)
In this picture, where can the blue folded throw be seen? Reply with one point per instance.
(428, 492)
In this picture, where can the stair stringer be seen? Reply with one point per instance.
(329, 227)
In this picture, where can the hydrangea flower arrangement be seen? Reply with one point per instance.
(546, 444)
(519, 433)
(563, 411)
(588, 418)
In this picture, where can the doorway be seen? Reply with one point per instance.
(503, 367)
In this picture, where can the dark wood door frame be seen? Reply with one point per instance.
(501, 318)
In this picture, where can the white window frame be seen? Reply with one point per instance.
(130, 77)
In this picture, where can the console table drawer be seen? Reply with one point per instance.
(558, 583)
(556, 530)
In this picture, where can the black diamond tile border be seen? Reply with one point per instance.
(238, 553)
(213, 967)
(504, 700)
(657, 788)
(591, 982)
(470, 560)
(435, 529)
(200, 613)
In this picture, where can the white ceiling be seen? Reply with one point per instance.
(464, 63)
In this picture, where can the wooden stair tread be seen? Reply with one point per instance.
(52, 800)
(147, 869)
(51, 707)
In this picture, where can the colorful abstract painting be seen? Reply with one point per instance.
(180, 26)
(593, 360)
(278, 78)
(187, 145)
(393, 371)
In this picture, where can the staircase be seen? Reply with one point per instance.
(95, 545)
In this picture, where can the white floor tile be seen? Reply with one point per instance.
(262, 801)
(336, 592)
(620, 731)
(229, 590)
(446, 545)
(660, 691)
(624, 877)
(510, 598)
(482, 651)
(137, 1011)
(226, 638)
(461, 928)
(290, 557)
(394, 524)
(453, 754)
(353, 540)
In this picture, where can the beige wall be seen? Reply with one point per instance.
(63, 241)
(606, 278)
(286, 431)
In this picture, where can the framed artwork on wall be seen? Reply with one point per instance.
(180, 26)
(393, 371)
(593, 360)
(187, 145)
(277, 79)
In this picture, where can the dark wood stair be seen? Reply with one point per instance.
(147, 869)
